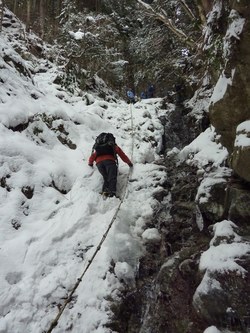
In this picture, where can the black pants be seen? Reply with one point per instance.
(108, 169)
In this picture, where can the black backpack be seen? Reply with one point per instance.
(105, 144)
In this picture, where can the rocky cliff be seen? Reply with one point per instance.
(197, 278)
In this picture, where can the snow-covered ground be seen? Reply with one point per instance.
(52, 215)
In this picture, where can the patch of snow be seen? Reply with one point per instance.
(199, 219)
(225, 229)
(215, 13)
(78, 35)
(233, 32)
(151, 234)
(204, 150)
(221, 87)
(244, 126)
(124, 271)
(209, 180)
(212, 329)
(243, 134)
(223, 257)
(90, 19)
(207, 284)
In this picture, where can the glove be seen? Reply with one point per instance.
(91, 165)
(130, 165)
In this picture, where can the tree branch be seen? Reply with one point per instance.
(201, 11)
(168, 23)
(187, 10)
(192, 15)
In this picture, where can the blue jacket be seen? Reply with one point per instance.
(130, 94)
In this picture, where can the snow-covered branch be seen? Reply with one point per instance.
(163, 17)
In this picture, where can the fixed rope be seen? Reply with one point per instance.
(79, 280)
(132, 132)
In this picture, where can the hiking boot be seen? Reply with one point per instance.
(109, 194)
(106, 194)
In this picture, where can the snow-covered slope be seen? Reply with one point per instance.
(52, 215)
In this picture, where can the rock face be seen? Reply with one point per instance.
(240, 159)
(175, 291)
(238, 206)
(223, 305)
(231, 99)
(168, 274)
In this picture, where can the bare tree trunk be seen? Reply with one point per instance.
(28, 21)
(15, 6)
(1, 13)
(204, 7)
(207, 5)
(97, 5)
(187, 9)
(55, 12)
(42, 17)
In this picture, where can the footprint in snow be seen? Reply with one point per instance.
(13, 277)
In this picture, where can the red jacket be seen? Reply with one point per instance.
(101, 158)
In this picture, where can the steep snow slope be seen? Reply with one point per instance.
(52, 215)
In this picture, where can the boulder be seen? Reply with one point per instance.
(240, 158)
(222, 303)
(213, 208)
(239, 202)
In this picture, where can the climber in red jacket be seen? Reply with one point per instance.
(105, 153)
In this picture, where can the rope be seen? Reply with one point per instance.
(132, 132)
(79, 280)
(69, 298)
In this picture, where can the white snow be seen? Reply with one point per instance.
(226, 247)
(225, 229)
(151, 234)
(221, 87)
(223, 256)
(204, 150)
(245, 126)
(208, 156)
(78, 35)
(48, 238)
(235, 27)
(207, 285)
(243, 134)
(234, 30)
(212, 329)
(124, 272)
(209, 180)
